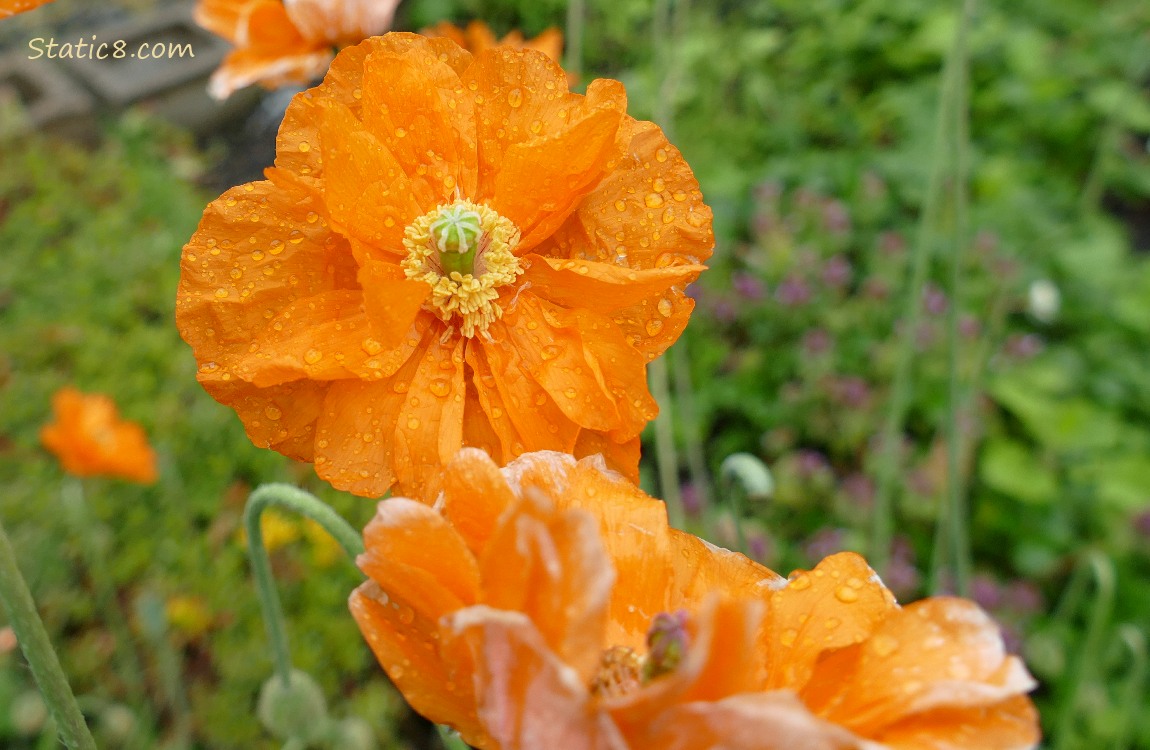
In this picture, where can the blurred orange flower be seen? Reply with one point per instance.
(478, 37)
(12, 7)
(451, 250)
(548, 604)
(90, 439)
(286, 41)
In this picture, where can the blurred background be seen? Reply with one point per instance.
(812, 127)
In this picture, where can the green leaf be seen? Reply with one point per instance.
(1007, 466)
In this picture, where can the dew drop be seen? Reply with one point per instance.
(661, 155)
(221, 292)
(846, 594)
(371, 346)
(400, 133)
(653, 200)
(883, 645)
(800, 583)
(515, 98)
(549, 352)
(295, 237)
(570, 393)
(620, 205)
(665, 307)
(312, 356)
(413, 424)
(304, 147)
(273, 413)
(653, 327)
(788, 637)
(312, 217)
(440, 387)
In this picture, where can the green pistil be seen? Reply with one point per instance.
(456, 233)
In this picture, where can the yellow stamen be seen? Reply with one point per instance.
(470, 296)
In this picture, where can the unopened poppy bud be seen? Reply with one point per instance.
(296, 710)
(751, 473)
(456, 232)
(667, 642)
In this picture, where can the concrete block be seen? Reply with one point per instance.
(51, 102)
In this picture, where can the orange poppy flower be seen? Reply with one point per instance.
(478, 37)
(451, 250)
(286, 41)
(90, 439)
(548, 604)
(12, 7)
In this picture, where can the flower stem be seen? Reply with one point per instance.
(37, 648)
(308, 505)
(882, 523)
(576, 18)
(1132, 693)
(1090, 655)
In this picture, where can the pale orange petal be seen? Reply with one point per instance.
(550, 565)
(1010, 725)
(340, 21)
(621, 457)
(838, 604)
(475, 495)
(222, 17)
(752, 721)
(528, 698)
(12, 7)
(946, 653)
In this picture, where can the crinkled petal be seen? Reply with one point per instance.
(838, 604)
(415, 104)
(475, 496)
(550, 565)
(1010, 725)
(335, 21)
(282, 417)
(604, 286)
(621, 457)
(936, 654)
(752, 721)
(528, 698)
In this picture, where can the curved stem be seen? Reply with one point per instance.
(37, 648)
(308, 505)
(576, 18)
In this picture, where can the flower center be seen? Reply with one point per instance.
(621, 670)
(464, 251)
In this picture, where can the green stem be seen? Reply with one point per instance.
(450, 739)
(89, 531)
(154, 623)
(951, 535)
(883, 520)
(306, 504)
(1090, 655)
(1132, 691)
(37, 648)
(576, 19)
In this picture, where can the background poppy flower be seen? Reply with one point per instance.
(90, 439)
(286, 41)
(450, 251)
(12, 7)
(549, 603)
(477, 37)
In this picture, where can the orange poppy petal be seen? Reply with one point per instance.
(475, 495)
(1010, 725)
(605, 287)
(493, 412)
(405, 643)
(525, 98)
(90, 439)
(355, 435)
(752, 721)
(416, 105)
(259, 248)
(648, 212)
(391, 302)
(429, 425)
(947, 653)
(365, 188)
(621, 457)
(539, 422)
(338, 21)
(282, 418)
(541, 180)
(550, 565)
(528, 698)
(222, 17)
(411, 533)
(656, 322)
(549, 42)
(837, 604)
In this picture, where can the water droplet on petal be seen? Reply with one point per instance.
(515, 97)
(440, 387)
(653, 200)
(549, 352)
(371, 346)
(846, 594)
(653, 327)
(665, 307)
(272, 413)
(312, 356)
